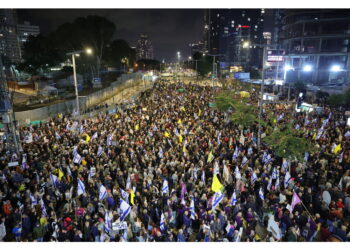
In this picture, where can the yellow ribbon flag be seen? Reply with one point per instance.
(275, 121)
(87, 138)
(136, 127)
(166, 134)
(83, 162)
(60, 174)
(116, 116)
(179, 121)
(132, 196)
(216, 185)
(199, 112)
(337, 148)
(180, 138)
(210, 157)
(182, 108)
(314, 136)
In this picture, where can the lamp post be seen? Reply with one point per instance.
(264, 46)
(178, 64)
(286, 69)
(74, 54)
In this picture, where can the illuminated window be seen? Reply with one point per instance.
(248, 19)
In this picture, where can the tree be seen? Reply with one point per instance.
(118, 50)
(148, 64)
(204, 63)
(299, 86)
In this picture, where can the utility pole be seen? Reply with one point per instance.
(13, 143)
(214, 67)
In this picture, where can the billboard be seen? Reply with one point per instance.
(274, 55)
(241, 75)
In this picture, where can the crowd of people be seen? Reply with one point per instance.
(173, 168)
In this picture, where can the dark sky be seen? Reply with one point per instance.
(170, 30)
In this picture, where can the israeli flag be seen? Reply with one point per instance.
(269, 184)
(347, 134)
(287, 179)
(277, 182)
(91, 173)
(268, 159)
(233, 198)
(238, 173)
(250, 150)
(244, 161)
(261, 194)
(192, 211)
(297, 127)
(108, 222)
(99, 151)
(125, 195)
(280, 117)
(218, 138)
(94, 136)
(325, 122)
(33, 201)
(75, 150)
(306, 122)
(81, 187)
(319, 133)
(81, 129)
(218, 196)
(57, 136)
(176, 132)
(160, 153)
(24, 161)
(124, 209)
(203, 176)
(274, 173)
(285, 164)
(235, 154)
(254, 178)
(77, 158)
(264, 159)
(162, 222)
(103, 192)
(128, 183)
(306, 156)
(165, 188)
(109, 140)
(43, 209)
(54, 180)
(216, 167)
(67, 126)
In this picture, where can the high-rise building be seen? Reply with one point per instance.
(144, 48)
(24, 31)
(197, 47)
(9, 44)
(317, 43)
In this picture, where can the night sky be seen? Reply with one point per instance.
(170, 30)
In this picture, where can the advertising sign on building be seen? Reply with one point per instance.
(241, 75)
(274, 55)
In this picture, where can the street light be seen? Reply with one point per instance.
(287, 68)
(336, 68)
(307, 68)
(74, 54)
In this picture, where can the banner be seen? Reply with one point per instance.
(119, 226)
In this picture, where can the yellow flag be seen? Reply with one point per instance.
(314, 136)
(87, 138)
(180, 138)
(199, 112)
(210, 157)
(337, 148)
(179, 121)
(275, 121)
(132, 196)
(60, 174)
(182, 108)
(116, 116)
(83, 162)
(166, 134)
(136, 127)
(216, 185)
(184, 150)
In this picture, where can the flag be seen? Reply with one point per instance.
(216, 185)
(233, 198)
(75, 150)
(60, 174)
(81, 129)
(77, 158)
(57, 136)
(99, 151)
(33, 201)
(285, 164)
(176, 132)
(244, 161)
(250, 150)
(203, 176)
(269, 184)
(235, 154)
(217, 198)
(160, 153)
(218, 138)
(179, 121)
(43, 209)
(341, 156)
(253, 178)
(347, 134)
(210, 157)
(165, 188)
(124, 209)
(183, 191)
(287, 179)
(92, 172)
(87, 138)
(268, 159)
(192, 210)
(337, 148)
(108, 222)
(94, 136)
(136, 127)
(261, 194)
(162, 222)
(306, 156)
(54, 180)
(81, 187)
(109, 140)
(216, 168)
(295, 200)
(274, 173)
(102, 193)
(24, 162)
(166, 134)
(277, 182)
(128, 183)
(238, 173)
(132, 196)
(180, 138)
(125, 195)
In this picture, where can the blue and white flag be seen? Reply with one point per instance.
(218, 138)
(176, 132)
(274, 173)
(109, 140)
(124, 209)
(57, 136)
(235, 154)
(269, 184)
(261, 194)
(94, 136)
(67, 126)
(43, 209)
(268, 159)
(277, 182)
(216, 168)
(287, 179)
(347, 134)
(102, 193)
(250, 150)
(203, 176)
(218, 196)
(253, 178)
(280, 117)
(162, 222)
(99, 151)
(319, 133)
(125, 195)
(165, 188)
(81, 129)
(233, 198)
(77, 158)
(238, 173)
(128, 183)
(160, 153)
(307, 122)
(285, 164)
(108, 222)
(297, 127)
(33, 201)
(81, 187)
(244, 161)
(325, 122)
(192, 210)
(24, 162)
(75, 150)
(306, 157)
(264, 159)
(92, 172)
(54, 180)
(330, 115)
